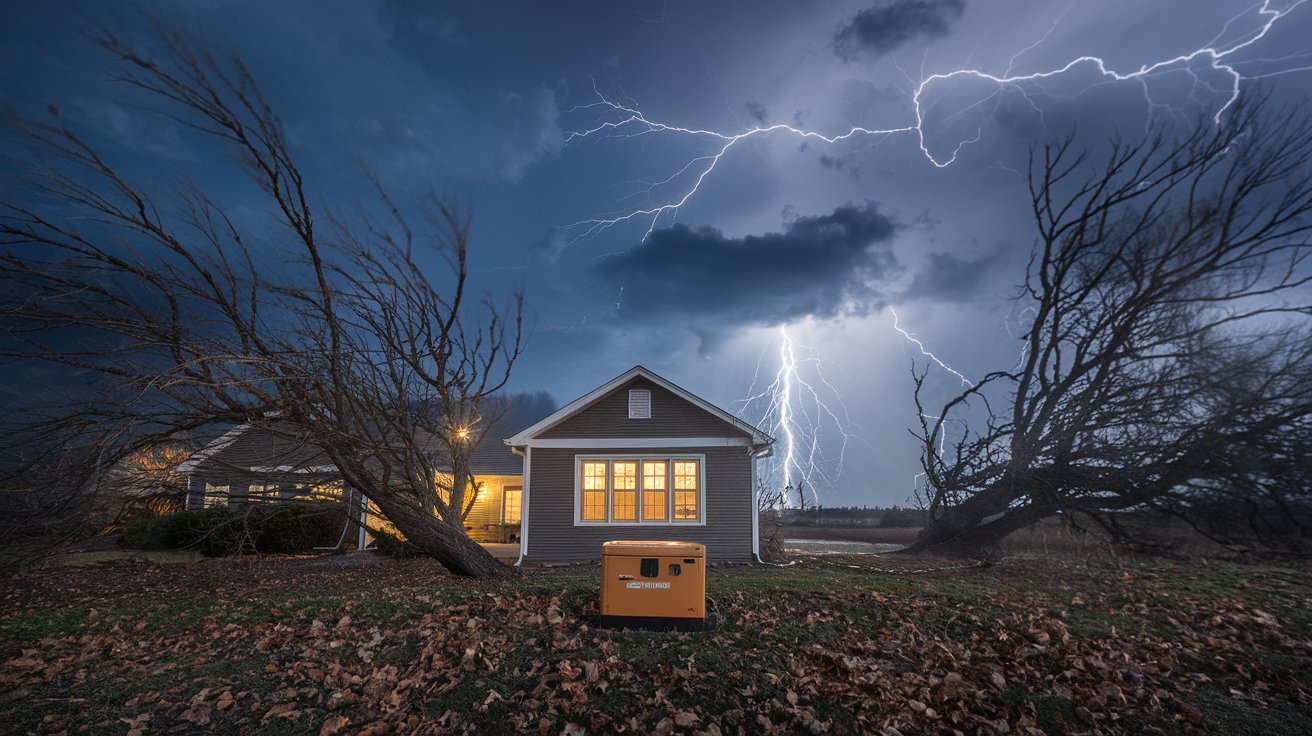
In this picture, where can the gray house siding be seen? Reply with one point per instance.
(671, 416)
(283, 454)
(264, 448)
(553, 537)
(260, 448)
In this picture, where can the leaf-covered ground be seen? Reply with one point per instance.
(1071, 644)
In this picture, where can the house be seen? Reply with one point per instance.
(636, 458)
(275, 462)
(639, 458)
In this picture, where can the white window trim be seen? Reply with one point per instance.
(669, 489)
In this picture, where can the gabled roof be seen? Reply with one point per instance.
(213, 448)
(759, 438)
(490, 457)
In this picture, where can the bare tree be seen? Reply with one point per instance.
(186, 321)
(1166, 362)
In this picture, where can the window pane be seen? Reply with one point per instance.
(514, 499)
(685, 505)
(685, 475)
(626, 476)
(325, 492)
(594, 476)
(653, 505)
(653, 475)
(625, 506)
(594, 506)
(654, 500)
(216, 495)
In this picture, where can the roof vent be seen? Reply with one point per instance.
(639, 403)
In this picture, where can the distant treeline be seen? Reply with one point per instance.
(886, 517)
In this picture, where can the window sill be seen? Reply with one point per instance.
(652, 524)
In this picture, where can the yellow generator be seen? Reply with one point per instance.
(653, 585)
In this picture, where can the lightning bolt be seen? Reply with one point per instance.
(624, 120)
(791, 405)
(925, 351)
(942, 436)
(801, 412)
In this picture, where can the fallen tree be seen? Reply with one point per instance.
(184, 319)
(1166, 357)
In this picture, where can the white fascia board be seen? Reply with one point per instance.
(610, 443)
(527, 454)
(756, 508)
(213, 448)
(524, 437)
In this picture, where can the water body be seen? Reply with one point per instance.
(838, 547)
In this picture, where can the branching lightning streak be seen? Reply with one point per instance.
(628, 121)
(787, 398)
(925, 351)
(942, 435)
(799, 412)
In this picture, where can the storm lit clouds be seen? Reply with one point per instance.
(472, 102)
(888, 24)
(824, 267)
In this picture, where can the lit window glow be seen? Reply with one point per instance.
(625, 498)
(625, 490)
(216, 495)
(594, 491)
(653, 490)
(685, 490)
(513, 500)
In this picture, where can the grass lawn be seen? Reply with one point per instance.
(858, 644)
(158, 556)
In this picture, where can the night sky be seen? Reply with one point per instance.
(521, 109)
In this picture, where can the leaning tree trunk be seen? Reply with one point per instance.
(977, 526)
(447, 544)
(422, 527)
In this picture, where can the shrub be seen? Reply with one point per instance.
(172, 531)
(223, 530)
(389, 546)
(295, 528)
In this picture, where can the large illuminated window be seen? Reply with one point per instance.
(624, 499)
(686, 487)
(216, 495)
(513, 498)
(635, 490)
(653, 490)
(594, 491)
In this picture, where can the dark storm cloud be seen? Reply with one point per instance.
(700, 278)
(947, 278)
(884, 27)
